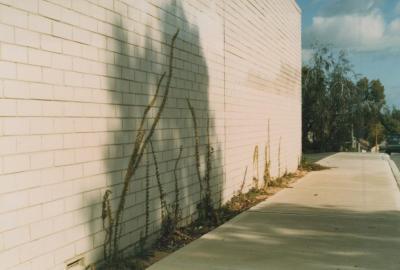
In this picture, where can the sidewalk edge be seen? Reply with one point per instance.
(395, 171)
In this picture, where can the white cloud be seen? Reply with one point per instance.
(394, 27)
(360, 32)
(354, 31)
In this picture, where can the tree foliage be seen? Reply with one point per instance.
(339, 107)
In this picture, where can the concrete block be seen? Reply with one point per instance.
(39, 24)
(27, 38)
(14, 53)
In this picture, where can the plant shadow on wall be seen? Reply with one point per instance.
(164, 165)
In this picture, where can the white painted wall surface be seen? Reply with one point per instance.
(75, 76)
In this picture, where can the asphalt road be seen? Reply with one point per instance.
(396, 158)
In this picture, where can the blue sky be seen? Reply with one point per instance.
(369, 30)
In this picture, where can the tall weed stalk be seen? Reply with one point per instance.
(267, 160)
(207, 213)
(142, 139)
(255, 167)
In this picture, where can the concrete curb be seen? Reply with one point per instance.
(395, 171)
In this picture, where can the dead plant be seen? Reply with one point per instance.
(142, 139)
(267, 160)
(206, 212)
(255, 167)
(177, 214)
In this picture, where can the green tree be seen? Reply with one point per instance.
(342, 106)
(328, 101)
(391, 120)
(362, 109)
(337, 108)
(371, 98)
(315, 99)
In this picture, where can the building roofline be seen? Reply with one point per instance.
(296, 6)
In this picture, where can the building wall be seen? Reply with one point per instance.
(75, 77)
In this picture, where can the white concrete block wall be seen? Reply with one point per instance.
(75, 77)
(262, 61)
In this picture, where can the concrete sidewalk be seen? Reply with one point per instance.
(344, 218)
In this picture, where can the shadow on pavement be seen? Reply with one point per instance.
(299, 238)
(315, 157)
